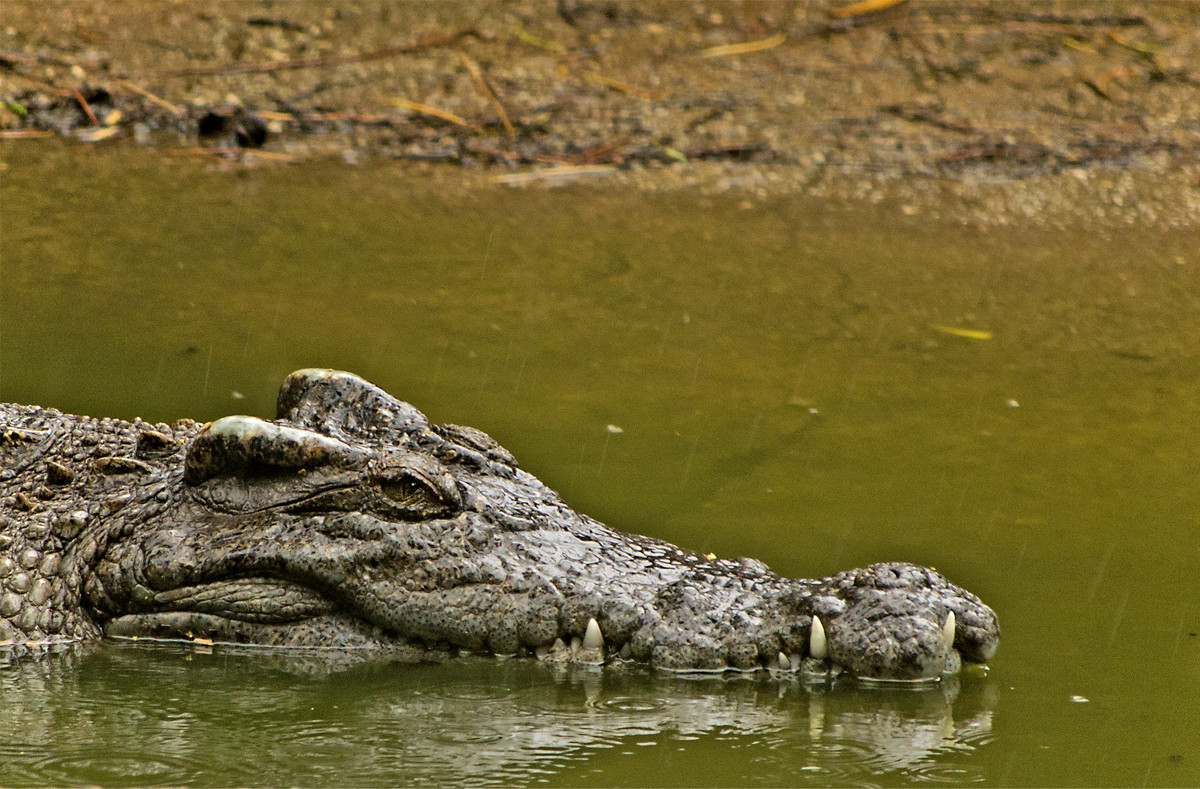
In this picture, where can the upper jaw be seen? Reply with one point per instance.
(907, 649)
(897, 621)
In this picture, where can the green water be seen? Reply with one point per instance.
(783, 391)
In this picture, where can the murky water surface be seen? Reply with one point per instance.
(791, 383)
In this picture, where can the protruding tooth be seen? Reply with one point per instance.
(816, 640)
(948, 631)
(784, 663)
(593, 638)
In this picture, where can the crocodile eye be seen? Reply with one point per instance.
(419, 498)
(406, 490)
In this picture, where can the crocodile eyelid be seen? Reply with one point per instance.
(233, 444)
(420, 493)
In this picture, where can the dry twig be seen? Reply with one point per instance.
(864, 7)
(744, 48)
(624, 87)
(172, 108)
(477, 75)
(425, 109)
(87, 108)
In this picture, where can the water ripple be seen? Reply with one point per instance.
(634, 705)
(99, 765)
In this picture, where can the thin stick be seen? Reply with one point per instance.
(743, 48)
(173, 108)
(425, 109)
(86, 107)
(624, 87)
(477, 75)
(864, 7)
(57, 91)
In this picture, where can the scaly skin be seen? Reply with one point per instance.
(352, 522)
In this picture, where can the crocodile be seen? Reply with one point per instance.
(351, 521)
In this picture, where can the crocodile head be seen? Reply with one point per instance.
(352, 521)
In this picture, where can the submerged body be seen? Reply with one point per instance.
(350, 521)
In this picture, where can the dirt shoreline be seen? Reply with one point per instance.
(992, 112)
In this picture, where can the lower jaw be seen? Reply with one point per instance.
(331, 632)
(325, 631)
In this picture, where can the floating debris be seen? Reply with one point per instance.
(553, 174)
(955, 331)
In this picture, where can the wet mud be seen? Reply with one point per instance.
(1072, 108)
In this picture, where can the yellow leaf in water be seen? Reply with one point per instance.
(970, 334)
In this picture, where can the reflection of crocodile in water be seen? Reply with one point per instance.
(351, 521)
(170, 714)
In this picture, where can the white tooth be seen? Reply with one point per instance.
(784, 663)
(816, 640)
(948, 631)
(593, 639)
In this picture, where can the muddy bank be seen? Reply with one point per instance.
(993, 111)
